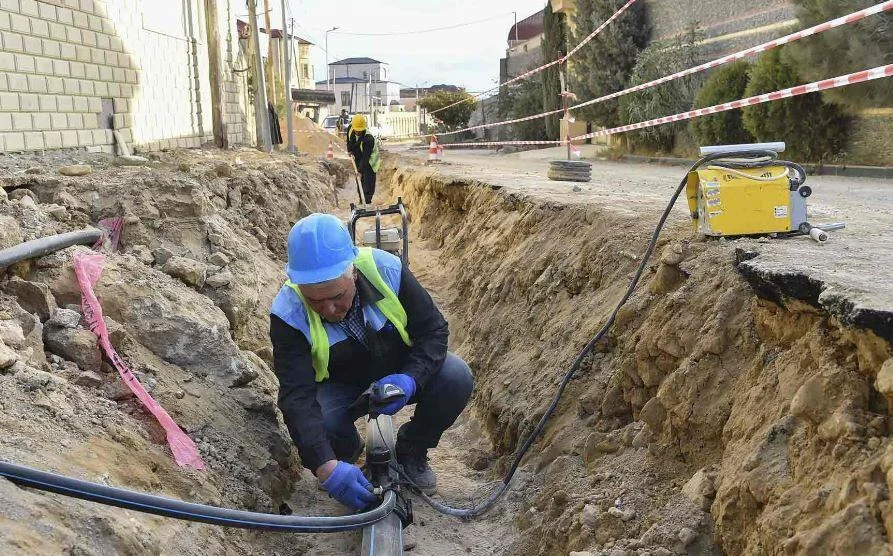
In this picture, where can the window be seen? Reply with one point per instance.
(345, 98)
(365, 75)
(306, 70)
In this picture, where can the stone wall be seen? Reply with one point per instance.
(72, 70)
(871, 138)
(727, 26)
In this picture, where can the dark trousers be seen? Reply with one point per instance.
(367, 178)
(437, 407)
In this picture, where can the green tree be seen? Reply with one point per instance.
(603, 66)
(658, 60)
(812, 129)
(554, 47)
(454, 117)
(525, 98)
(725, 84)
(862, 45)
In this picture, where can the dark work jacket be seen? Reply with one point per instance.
(351, 362)
(361, 155)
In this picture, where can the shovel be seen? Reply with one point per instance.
(356, 177)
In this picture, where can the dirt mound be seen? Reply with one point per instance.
(709, 420)
(313, 139)
(186, 300)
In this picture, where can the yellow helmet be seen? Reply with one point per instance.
(358, 123)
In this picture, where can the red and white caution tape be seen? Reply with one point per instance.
(534, 71)
(506, 122)
(879, 72)
(524, 75)
(833, 83)
(88, 269)
(499, 143)
(820, 28)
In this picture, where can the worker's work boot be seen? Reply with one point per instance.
(414, 462)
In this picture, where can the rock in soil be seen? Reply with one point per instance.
(7, 357)
(190, 271)
(218, 259)
(76, 345)
(11, 333)
(700, 489)
(64, 318)
(220, 279)
(687, 536)
(89, 379)
(34, 297)
(76, 170)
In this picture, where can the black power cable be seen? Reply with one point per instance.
(747, 159)
(169, 507)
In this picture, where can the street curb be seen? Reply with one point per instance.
(875, 172)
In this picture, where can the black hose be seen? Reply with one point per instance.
(169, 507)
(46, 245)
(764, 157)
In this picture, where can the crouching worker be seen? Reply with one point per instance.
(345, 318)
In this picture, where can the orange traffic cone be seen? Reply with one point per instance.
(330, 152)
(433, 149)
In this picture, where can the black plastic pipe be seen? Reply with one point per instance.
(46, 245)
(169, 507)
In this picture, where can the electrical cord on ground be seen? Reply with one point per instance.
(748, 159)
(169, 507)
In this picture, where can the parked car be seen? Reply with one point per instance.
(330, 123)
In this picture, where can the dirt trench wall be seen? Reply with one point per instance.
(194, 333)
(761, 426)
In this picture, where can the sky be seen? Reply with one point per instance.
(467, 56)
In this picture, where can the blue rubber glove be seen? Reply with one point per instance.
(347, 485)
(405, 383)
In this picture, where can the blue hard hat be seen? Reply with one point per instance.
(319, 249)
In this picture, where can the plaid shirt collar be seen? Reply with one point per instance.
(354, 322)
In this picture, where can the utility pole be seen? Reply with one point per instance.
(328, 78)
(271, 83)
(288, 103)
(564, 100)
(212, 31)
(261, 116)
(516, 27)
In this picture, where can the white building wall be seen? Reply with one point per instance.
(378, 71)
(148, 58)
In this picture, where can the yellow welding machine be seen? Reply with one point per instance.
(728, 201)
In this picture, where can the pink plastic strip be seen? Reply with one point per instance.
(88, 268)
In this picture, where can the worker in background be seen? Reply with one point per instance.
(345, 318)
(342, 122)
(364, 148)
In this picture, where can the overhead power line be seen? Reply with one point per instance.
(421, 31)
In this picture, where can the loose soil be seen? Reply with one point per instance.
(713, 419)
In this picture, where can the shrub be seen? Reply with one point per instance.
(812, 129)
(603, 66)
(726, 84)
(454, 117)
(862, 45)
(659, 60)
(524, 99)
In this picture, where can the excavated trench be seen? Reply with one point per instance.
(726, 412)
